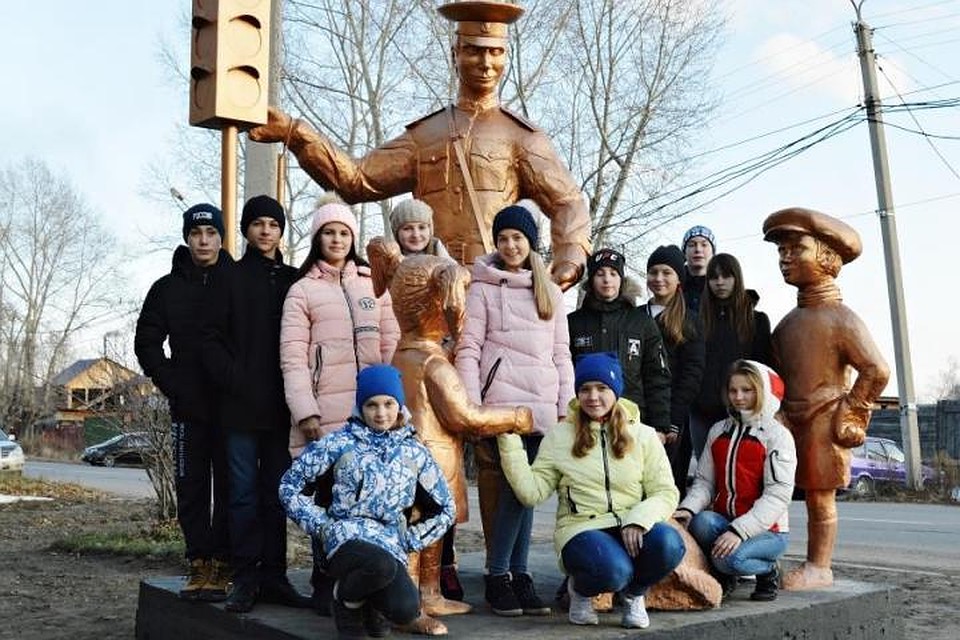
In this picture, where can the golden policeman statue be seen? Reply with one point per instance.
(467, 160)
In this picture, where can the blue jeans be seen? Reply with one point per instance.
(513, 523)
(258, 524)
(598, 562)
(754, 556)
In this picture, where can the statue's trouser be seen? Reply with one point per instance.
(821, 526)
(489, 480)
(424, 569)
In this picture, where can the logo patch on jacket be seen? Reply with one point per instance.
(366, 303)
(633, 347)
(583, 342)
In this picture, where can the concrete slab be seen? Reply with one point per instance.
(849, 610)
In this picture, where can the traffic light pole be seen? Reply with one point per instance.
(228, 187)
(909, 428)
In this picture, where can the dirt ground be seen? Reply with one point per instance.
(45, 595)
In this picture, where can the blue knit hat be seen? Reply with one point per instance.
(698, 230)
(519, 218)
(599, 367)
(380, 379)
(199, 215)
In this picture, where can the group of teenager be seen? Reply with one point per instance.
(284, 404)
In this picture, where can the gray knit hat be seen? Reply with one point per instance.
(408, 211)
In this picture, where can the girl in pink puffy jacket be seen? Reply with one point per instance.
(514, 349)
(332, 327)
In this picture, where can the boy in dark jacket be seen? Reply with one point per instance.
(241, 352)
(171, 311)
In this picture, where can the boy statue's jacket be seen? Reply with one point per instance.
(377, 477)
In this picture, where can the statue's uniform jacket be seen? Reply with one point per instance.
(508, 158)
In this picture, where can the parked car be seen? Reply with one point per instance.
(11, 455)
(880, 461)
(126, 448)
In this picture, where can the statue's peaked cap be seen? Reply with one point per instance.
(837, 234)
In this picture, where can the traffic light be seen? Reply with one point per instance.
(229, 63)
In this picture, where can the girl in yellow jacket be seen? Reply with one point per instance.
(615, 489)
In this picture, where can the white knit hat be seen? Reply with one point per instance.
(408, 211)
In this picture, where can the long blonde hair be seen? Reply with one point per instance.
(618, 422)
(542, 294)
(673, 317)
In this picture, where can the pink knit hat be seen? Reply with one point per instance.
(334, 212)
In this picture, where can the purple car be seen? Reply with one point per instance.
(879, 460)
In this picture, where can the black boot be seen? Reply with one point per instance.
(375, 623)
(242, 597)
(349, 621)
(499, 594)
(768, 585)
(278, 590)
(322, 591)
(530, 602)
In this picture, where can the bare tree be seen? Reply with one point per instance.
(57, 272)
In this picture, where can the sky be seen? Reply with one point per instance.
(89, 95)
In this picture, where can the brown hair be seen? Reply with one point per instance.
(673, 317)
(740, 306)
(617, 421)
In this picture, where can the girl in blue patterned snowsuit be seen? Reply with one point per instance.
(378, 469)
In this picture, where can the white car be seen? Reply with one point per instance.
(11, 455)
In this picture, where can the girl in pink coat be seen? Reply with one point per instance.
(514, 349)
(332, 327)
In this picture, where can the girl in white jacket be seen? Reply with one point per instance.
(737, 507)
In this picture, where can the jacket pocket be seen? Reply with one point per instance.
(317, 368)
(570, 501)
(491, 376)
(433, 169)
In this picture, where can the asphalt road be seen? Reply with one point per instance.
(872, 534)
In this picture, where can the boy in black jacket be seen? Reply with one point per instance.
(241, 352)
(171, 311)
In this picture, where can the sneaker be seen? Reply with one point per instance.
(581, 607)
(768, 585)
(218, 582)
(500, 595)
(375, 623)
(450, 586)
(197, 577)
(634, 613)
(349, 620)
(242, 597)
(279, 591)
(530, 602)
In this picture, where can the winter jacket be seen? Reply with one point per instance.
(693, 287)
(620, 327)
(506, 354)
(173, 310)
(597, 491)
(746, 472)
(241, 348)
(332, 327)
(686, 362)
(723, 348)
(376, 476)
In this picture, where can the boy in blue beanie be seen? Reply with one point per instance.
(377, 467)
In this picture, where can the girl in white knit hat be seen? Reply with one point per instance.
(412, 224)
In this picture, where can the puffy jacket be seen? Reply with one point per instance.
(747, 469)
(619, 326)
(173, 310)
(241, 348)
(332, 327)
(506, 354)
(597, 491)
(723, 348)
(376, 476)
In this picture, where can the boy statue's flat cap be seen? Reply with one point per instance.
(836, 234)
(482, 23)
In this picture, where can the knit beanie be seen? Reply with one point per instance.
(408, 211)
(670, 255)
(698, 230)
(517, 217)
(379, 379)
(599, 367)
(202, 214)
(605, 258)
(334, 211)
(262, 207)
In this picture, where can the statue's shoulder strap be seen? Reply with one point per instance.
(426, 117)
(523, 122)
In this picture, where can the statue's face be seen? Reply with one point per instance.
(480, 68)
(798, 259)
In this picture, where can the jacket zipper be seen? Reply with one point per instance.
(773, 469)
(503, 304)
(606, 475)
(490, 376)
(731, 467)
(573, 505)
(316, 371)
(353, 322)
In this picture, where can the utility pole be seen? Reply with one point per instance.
(909, 429)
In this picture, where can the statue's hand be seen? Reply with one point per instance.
(850, 425)
(524, 424)
(565, 274)
(277, 128)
